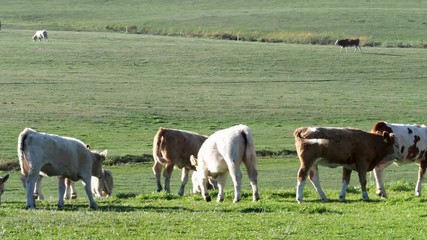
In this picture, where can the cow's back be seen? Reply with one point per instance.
(57, 155)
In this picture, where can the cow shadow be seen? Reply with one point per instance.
(383, 54)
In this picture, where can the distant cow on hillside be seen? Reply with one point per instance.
(345, 43)
(39, 35)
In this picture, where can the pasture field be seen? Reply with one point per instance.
(380, 23)
(114, 90)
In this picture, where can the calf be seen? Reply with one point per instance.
(39, 35)
(223, 152)
(345, 43)
(351, 148)
(172, 147)
(54, 155)
(2, 181)
(103, 187)
(411, 145)
(211, 183)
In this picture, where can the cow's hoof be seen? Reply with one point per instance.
(74, 196)
(208, 198)
(342, 199)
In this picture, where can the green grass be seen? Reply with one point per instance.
(386, 23)
(136, 211)
(114, 90)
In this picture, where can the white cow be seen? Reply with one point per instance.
(2, 181)
(223, 152)
(54, 155)
(39, 35)
(211, 183)
(103, 187)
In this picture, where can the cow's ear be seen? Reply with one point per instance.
(193, 160)
(4, 178)
(104, 153)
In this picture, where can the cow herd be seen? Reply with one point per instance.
(214, 157)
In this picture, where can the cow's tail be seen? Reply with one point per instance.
(22, 139)
(298, 134)
(250, 154)
(157, 143)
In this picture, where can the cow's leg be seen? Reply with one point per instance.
(203, 179)
(38, 189)
(301, 178)
(61, 191)
(379, 180)
(346, 174)
(253, 178)
(221, 185)
(362, 179)
(421, 172)
(73, 190)
(157, 169)
(86, 178)
(70, 190)
(236, 176)
(167, 173)
(314, 178)
(30, 181)
(346, 49)
(184, 180)
(341, 48)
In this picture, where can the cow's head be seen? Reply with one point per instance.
(391, 146)
(97, 159)
(2, 181)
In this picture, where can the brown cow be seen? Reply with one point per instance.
(2, 181)
(353, 149)
(171, 148)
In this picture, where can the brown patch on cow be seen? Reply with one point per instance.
(381, 127)
(413, 150)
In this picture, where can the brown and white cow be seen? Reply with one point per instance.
(222, 153)
(54, 155)
(103, 187)
(172, 147)
(353, 149)
(2, 181)
(411, 147)
(345, 43)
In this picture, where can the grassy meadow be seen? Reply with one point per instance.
(114, 90)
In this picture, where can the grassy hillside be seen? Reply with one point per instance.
(386, 23)
(115, 90)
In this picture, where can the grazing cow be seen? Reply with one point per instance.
(2, 181)
(223, 152)
(345, 43)
(171, 148)
(39, 35)
(54, 155)
(103, 187)
(211, 183)
(351, 148)
(411, 145)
